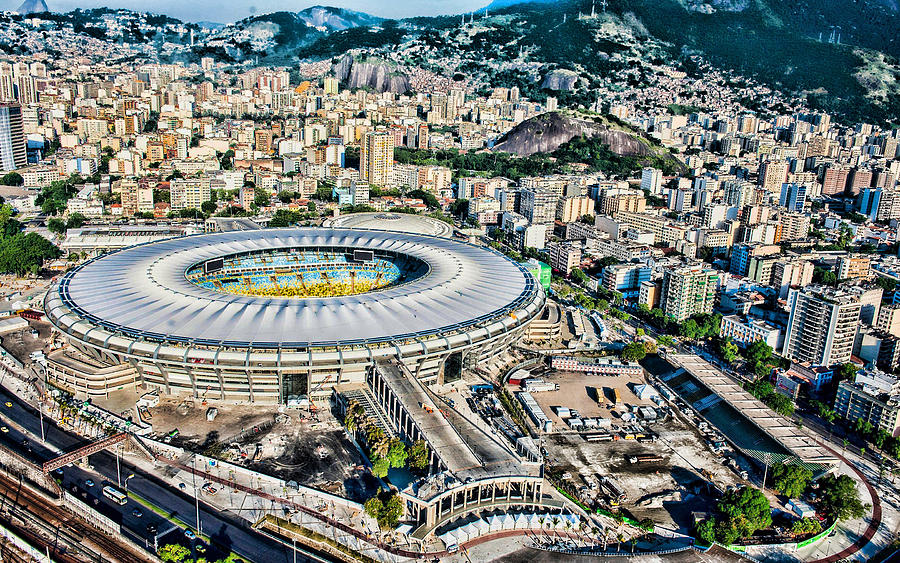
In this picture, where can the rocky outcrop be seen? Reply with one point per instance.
(377, 74)
(546, 132)
(560, 79)
(32, 7)
(327, 18)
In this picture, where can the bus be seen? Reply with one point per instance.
(115, 495)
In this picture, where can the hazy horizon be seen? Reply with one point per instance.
(229, 11)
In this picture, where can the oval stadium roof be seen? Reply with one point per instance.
(388, 221)
(143, 291)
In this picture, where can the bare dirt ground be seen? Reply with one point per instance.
(195, 432)
(290, 444)
(21, 343)
(666, 491)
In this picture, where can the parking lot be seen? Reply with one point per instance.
(591, 395)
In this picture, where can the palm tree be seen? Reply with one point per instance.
(381, 447)
(619, 538)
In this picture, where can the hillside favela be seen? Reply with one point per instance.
(448, 281)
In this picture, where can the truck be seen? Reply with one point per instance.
(536, 385)
(615, 492)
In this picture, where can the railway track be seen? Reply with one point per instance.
(62, 525)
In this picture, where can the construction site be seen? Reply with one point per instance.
(616, 442)
(306, 446)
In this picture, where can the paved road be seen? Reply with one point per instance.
(226, 531)
(874, 523)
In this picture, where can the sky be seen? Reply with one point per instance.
(226, 11)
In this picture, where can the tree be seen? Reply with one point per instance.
(174, 552)
(311, 207)
(689, 329)
(397, 453)
(839, 497)
(419, 454)
(791, 480)
(806, 526)
(634, 352)
(758, 352)
(728, 531)
(579, 276)
(284, 218)
(747, 510)
(428, 198)
(729, 350)
(12, 179)
(261, 198)
(825, 412)
(608, 261)
(459, 208)
(781, 404)
(56, 226)
(845, 372)
(380, 467)
(887, 284)
(208, 207)
(287, 196)
(823, 276)
(75, 221)
(387, 511)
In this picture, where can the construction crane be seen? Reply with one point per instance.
(312, 406)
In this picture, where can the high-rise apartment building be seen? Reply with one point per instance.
(564, 257)
(688, 291)
(794, 226)
(791, 273)
(27, 88)
(859, 178)
(889, 319)
(189, 193)
(851, 267)
(822, 326)
(879, 204)
(570, 209)
(330, 86)
(873, 397)
(538, 205)
(376, 158)
(12, 138)
(772, 175)
(834, 180)
(793, 197)
(137, 197)
(651, 180)
(611, 201)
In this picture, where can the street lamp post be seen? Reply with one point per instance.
(196, 494)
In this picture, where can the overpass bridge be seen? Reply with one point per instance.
(798, 441)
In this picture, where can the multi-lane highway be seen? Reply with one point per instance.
(225, 532)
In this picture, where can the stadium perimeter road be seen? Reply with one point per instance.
(226, 531)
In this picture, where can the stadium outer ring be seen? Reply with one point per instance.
(134, 314)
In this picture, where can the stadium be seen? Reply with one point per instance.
(274, 315)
